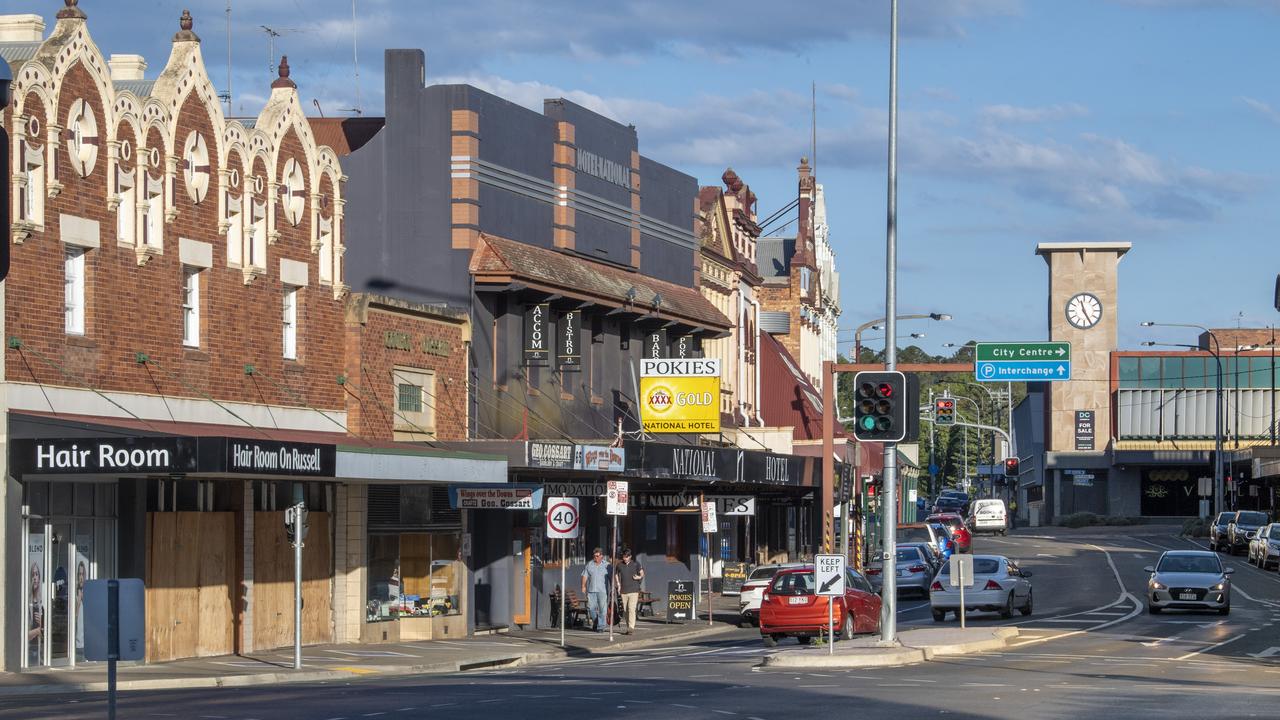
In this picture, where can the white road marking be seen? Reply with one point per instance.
(1193, 653)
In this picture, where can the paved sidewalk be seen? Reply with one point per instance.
(344, 662)
(914, 646)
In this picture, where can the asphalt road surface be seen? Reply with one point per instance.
(1089, 651)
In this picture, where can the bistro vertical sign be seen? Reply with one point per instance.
(568, 353)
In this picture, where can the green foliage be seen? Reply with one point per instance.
(1079, 520)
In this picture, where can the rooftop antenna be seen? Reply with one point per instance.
(271, 47)
(813, 142)
(355, 59)
(225, 95)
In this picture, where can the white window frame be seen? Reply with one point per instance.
(414, 425)
(290, 322)
(73, 290)
(190, 306)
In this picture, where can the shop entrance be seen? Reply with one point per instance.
(68, 538)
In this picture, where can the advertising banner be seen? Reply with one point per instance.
(599, 457)
(680, 396)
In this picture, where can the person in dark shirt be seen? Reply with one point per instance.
(629, 576)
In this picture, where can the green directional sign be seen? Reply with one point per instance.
(1022, 362)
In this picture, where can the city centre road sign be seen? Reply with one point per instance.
(1022, 362)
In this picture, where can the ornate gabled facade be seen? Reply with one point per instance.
(727, 230)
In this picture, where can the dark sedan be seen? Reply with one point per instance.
(1245, 522)
(1218, 532)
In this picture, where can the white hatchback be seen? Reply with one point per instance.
(989, 514)
(753, 588)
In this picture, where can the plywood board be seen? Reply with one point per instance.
(272, 582)
(186, 584)
(159, 582)
(317, 583)
(217, 583)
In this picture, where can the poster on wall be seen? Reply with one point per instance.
(35, 600)
(537, 343)
(568, 331)
(83, 573)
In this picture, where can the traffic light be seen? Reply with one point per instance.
(944, 411)
(880, 406)
(1011, 467)
(872, 487)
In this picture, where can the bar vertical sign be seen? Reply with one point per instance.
(655, 345)
(537, 343)
(568, 332)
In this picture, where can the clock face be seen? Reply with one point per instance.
(1084, 310)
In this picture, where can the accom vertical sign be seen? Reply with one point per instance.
(680, 396)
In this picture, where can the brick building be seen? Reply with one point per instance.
(190, 388)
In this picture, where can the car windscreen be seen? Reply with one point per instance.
(1224, 518)
(797, 583)
(981, 566)
(1189, 564)
(1275, 532)
(906, 555)
(763, 573)
(1251, 518)
(916, 534)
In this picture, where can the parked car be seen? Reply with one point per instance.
(958, 530)
(935, 535)
(1245, 522)
(949, 504)
(757, 580)
(1218, 533)
(1264, 546)
(1189, 580)
(960, 496)
(931, 554)
(989, 514)
(998, 584)
(914, 570)
(790, 607)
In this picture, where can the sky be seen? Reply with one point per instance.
(1154, 122)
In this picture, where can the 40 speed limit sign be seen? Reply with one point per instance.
(562, 518)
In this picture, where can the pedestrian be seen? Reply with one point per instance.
(628, 578)
(1013, 512)
(595, 585)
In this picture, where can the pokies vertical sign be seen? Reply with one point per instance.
(680, 396)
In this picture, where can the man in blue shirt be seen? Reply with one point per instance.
(595, 585)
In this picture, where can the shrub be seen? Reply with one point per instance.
(1119, 520)
(1079, 520)
(1196, 527)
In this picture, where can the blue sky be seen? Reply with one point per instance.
(1155, 122)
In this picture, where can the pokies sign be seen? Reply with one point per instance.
(680, 396)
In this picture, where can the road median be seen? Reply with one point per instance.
(913, 646)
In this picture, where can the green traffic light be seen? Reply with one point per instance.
(868, 422)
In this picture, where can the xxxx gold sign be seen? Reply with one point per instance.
(680, 395)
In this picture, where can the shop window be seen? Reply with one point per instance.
(191, 307)
(1198, 372)
(73, 285)
(1128, 372)
(415, 393)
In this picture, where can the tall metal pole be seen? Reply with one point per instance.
(297, 587)
(1217, 438)
(889, 608)
(1273, 384)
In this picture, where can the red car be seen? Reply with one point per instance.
(789, 607)
(959, 531)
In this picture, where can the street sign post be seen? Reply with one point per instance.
(962, 577)
(295, 520)
(114, 626)
(562, 525)
(617, 505)
(1022, 361)
(828, 580)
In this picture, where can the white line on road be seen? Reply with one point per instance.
(1193, 653)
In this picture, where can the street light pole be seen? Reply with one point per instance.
(889, 607)
(1217, 416)
(857, 332)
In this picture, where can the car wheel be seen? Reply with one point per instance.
(770, 640)
(1007, 611)
(804, 640)
(846, 628)
(1224, 610)
(1026, 609)
(939, 615)
(1152, 609)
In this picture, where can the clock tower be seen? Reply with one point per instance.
(1082, 311)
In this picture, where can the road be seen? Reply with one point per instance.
(1089, 651)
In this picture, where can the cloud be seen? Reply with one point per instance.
(1015, 114)
(1263, 109)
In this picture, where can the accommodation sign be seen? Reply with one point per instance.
(537, 338)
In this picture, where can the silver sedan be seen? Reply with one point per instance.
(1189, 580)
(914, 571)
(998, 584)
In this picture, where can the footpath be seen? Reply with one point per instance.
(321, 663)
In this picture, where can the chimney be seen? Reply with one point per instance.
(127, 67)
(21, 28)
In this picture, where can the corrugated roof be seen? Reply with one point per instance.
(791, 401)
(141, 88)
(345, 135)
(584, 277)
(16, 53)
(773, 256)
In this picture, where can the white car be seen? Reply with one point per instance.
(1264, 546)
(998, 585)
(753, 588)
(989, 514)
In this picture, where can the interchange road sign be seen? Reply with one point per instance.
(1022, 361)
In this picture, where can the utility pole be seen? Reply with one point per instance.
(889, 608)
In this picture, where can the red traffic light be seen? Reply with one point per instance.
(885, 390)
(1011, 467)
(946, 404)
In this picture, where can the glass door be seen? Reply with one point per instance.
(35, 600)
(61, 550)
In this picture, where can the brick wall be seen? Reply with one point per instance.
(132, 308)
(371, 356)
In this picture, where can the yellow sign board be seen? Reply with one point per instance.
(680, 396)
